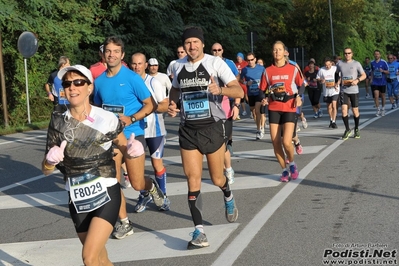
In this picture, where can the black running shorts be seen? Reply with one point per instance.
(207, 140)
(108, 212)
(276, 117)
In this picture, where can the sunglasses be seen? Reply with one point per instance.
(252, 59)
(348, 53)
(76, 83)
(181, 52)
(217, 50)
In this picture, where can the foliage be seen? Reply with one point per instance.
(153, 27)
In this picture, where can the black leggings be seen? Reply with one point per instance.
(314, 95)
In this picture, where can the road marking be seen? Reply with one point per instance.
(174, 189)
(147, 245)
(242, 240)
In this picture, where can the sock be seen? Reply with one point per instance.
(125, 220)
(356, 119)
(346, 122)
(160, 177)
(291, 163)
(200, 228)
(229, 169)
(195, 205)
(226, 189)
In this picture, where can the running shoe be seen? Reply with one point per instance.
(320, 113)
(378, 112)
(157, 194)
(199, 240)
(259, 135)
(382, 112)
(142, 203)
(316, 115)
(166, 205)
(127, 181)
(229, 174)
(251, 115)
(244, 113)
(286, 160)
(285, 176)
(357, 134)
(346, 134)
(294, 171)
(393, 106)
(330, 125)
(334, 125)
(367, 96)
(298, 148)
(123, 230)
(298, 129)
(231, 210)
(238, 117)
(304, 123)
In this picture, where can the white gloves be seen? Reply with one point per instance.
(56, 154)
(134, 147)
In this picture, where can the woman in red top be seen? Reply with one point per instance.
(281, 81)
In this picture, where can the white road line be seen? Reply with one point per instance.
(65, 252)
(173, 189)
(242, 240)
(172, 160)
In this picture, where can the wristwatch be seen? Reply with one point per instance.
(237, 105)
(133, 119)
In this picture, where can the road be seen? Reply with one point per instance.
(343, 207)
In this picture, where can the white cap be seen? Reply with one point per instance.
(153, 61)
(82, 69)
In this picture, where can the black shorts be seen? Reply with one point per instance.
(330, 99)
(206, 140)
(254, 99)
(381, 89)
(108, 212)
(352, 98)
(277, 117)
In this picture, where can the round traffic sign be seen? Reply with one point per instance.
(27, 44)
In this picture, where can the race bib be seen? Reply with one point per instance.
(347, 81)
(377, 74)
(277, 88)
(62, 94)
(116, 109)
(88, 192)
(196, 105)
(253, 88)
(330, 83)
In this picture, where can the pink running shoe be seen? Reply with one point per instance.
(298, 148)
(285, 177)
(287, 161)
(294, 172)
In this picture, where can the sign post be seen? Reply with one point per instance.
(27, 46)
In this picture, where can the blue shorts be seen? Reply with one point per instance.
(393, 88)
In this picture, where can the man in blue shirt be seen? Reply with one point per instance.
(251, 76)
(392, 80)
(378, 81)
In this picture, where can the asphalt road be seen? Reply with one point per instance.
(343, 207)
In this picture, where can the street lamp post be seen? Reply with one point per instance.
(331, 26)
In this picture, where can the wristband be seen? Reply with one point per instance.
(237, 105)
(221, 91)
(48, 168)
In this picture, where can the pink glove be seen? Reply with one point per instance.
(56, 154)
(134, 147)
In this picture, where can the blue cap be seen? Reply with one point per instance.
(241, 55)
